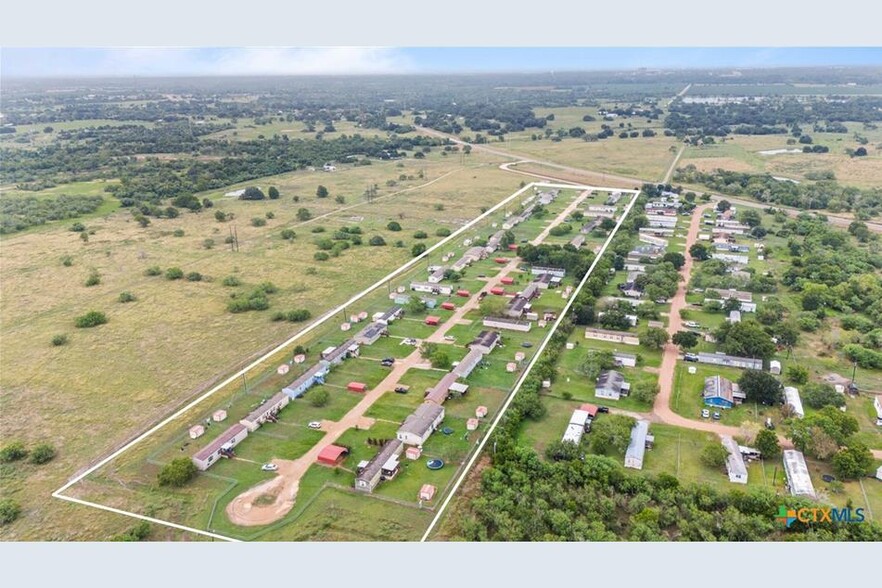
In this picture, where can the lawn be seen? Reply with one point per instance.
(687, 401)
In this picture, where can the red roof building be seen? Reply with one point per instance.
(356, 387)
(590, 409)
(501, 260)
(463, 293)
(448, 306)
(332, 455)
(513, 247)
(508, 280)
(433, 320)
(497, 291)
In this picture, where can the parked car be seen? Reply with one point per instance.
(692, 325)
(269, 467)
(603, 409)
(716, 416)
(705, 413)
(526, 344)
(449, 338)
(690, 357)
(402, 389)
(388, 361)
(315, 425)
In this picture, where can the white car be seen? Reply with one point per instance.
(449, 338)
(269, 467)
(314, 425)
(705, 413)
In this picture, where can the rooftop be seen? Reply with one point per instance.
(224, 438)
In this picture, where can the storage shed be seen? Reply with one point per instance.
(219, 415)
(463, 293)
(448, 306)
(332, 455)
(471, 424)
(507, 280)
(196, 431)
(427, 492)
(356, 387)
(413, 453)
(481, 412)
(433, 320)
(497, 291)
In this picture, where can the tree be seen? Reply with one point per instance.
(420, 235)
(819, 395)
(177, 472)
(126, 297)
(220, 216)
(860, 152)
(415, 305)
(9, 511)
(93, 318)
(43, 453)
(654, 338)
(303, 214)
(13, 451)
(273, 193)
(723, 205)
(611, 433)
(700, 251)
(645, 391)
(745, 339)
(797, 374)
(685, 339)
(714, 455)
(767, 444)
(322, 192)
(252, 193)
(174, 273)
(595, 362)
(319, 397)
(761, 387)
(853, 462)
(418, 249)
(750, 217)
(674, 258)
(288, 234)
(393, 226)
(377, 241)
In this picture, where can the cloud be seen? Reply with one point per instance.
(147, 61)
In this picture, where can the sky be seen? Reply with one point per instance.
(188, 61)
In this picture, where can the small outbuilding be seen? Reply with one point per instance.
(481, 412)
(427, 492)
(219, 415)
(463, 293)
(196, 431)
(471, 424)
(448, 306)
(775, 367)
(356, 387)
(507, 280)
(511, 367)
(413, 453)
(332, 455)
(433, 321)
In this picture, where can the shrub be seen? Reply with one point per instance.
(93, 280)
(317, 230)
(93, 318)
(270, 215)
(297, 316)
(377, 241)
(439, 207)
(174, 273)
(321, 256)
(273, 193)
(78, 227)
(42, 453)
(153, 270)
(232, 281)
(319, 397)
(303, 214)
(340, 199)
(252, 193)
(418, 249)
(67, 261)
(797, 374)
(207, 203)
(194, 277)
(288, 234)
(420, 235)
(220, 216)
(9, 511)
(137, 533)
(126, 297)
(59, 340)
(393, 226)
(258, 222)
(442, 232)
(13, 451)
(714, 455)
(177, 473)
(208, 243)
(321, 192)
(268, 288)
(561, 229)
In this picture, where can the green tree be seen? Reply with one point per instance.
(9, 511)
(93, 318)
(13, 451)
(797, 374)
(654, 338)
(700, 251)
(303, 214)
(288, 234)
(761, 387)
(59, 340)
(819, 395)
(714, 455)
(611, 433)
(43, 453)
(393, 226)
(319, 397)
(853, 462)
(645, 391)
(220, 216)
(420, 235)
(127, 297)
(685, 339)
(745, 339)
(174, 273)
(177, 472)
(322, 192)
(418, 249)
(767, 444)
(674, 258)
(377, 241)
(252, 193)
(273, 193)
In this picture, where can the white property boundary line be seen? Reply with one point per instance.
(59, 494)
(536, 357)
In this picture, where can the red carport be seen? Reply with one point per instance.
(448, 306)
(356, 387)
(501, 260)
(433, 320)
(513, 247)
(497, 291)
(463, 293)
(508, 280)
(332, 455)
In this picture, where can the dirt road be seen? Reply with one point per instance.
(561, 217)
